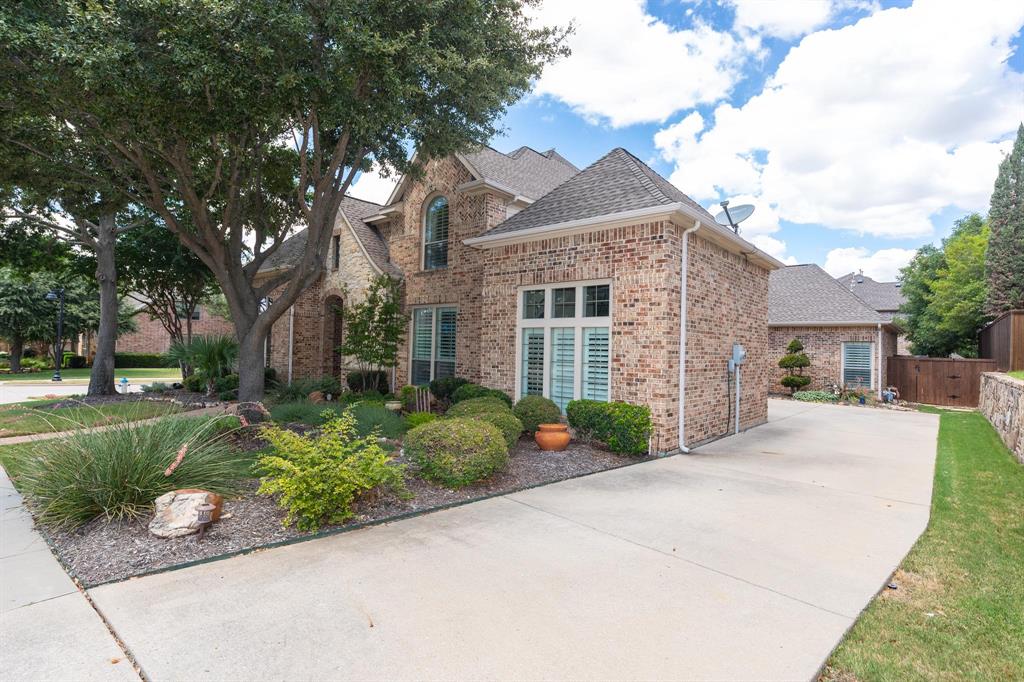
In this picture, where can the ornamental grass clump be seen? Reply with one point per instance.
(317, 478)
(117, 473)
(457, 452)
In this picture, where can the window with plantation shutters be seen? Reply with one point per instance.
(564, 349)
(433, 344)
(857, 365)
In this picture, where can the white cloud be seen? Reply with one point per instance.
(629, 67)
(882, 265)
(873, 127)
(773, 247)
(789, 19)
(372, 187)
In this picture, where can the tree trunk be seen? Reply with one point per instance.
(17, 348)
(101, 379)
(250, 365)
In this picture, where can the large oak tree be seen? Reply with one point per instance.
(194, 101)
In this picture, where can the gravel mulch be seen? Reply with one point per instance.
(103, 551)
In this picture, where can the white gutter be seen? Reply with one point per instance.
(291, 340)
(682, 335)
(879, 360)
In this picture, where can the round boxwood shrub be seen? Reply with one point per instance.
(536, 409)
(457, 452)
(470, 391)
(475, 406)
(509, 425)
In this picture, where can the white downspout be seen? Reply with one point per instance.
(291, 341)
(682, 336)
(879, 387)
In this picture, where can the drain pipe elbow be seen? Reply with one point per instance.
(682, 334)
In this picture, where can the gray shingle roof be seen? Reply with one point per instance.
(807, 294)
(885, 297)
(355, 210)
(527, 171)
(616, 182)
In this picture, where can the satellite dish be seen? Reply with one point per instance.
(732, 217)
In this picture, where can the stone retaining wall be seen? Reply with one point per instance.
(1002, 403)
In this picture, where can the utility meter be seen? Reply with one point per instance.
(739, 355)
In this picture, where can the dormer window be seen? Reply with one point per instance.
(435, 235)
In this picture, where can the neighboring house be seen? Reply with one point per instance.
(847, 341)
(525, 274)
(151, 336)
(885, 298)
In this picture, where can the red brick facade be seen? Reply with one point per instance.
(151, 337)
(823, 345)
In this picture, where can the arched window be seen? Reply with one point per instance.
(435, 235)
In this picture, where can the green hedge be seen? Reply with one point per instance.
(470, 391)
(624, 428)
(146, 360)
(457, 452)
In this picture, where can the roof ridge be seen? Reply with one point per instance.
(365, 201)
(637, 168)
(842, 287)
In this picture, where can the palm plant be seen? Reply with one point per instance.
(212, 356)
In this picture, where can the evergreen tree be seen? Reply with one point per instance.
(1004, 260)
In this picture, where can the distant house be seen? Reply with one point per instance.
(150, 335)
(884, 297)
(847, 340)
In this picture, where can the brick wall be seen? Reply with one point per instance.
(151, 337)
(823, 346)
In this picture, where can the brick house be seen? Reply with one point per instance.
(847, 340)
(525, 274)
(150, 335)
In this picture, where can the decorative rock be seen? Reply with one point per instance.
(176, 512)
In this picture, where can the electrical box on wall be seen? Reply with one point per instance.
(739, 356)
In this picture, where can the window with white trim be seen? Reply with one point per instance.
(563, 336)
(435, 235)
(858, 364)
(433, 344)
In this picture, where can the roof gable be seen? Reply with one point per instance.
(882, 296)
(806, 294)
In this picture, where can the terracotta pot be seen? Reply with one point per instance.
(552, 436)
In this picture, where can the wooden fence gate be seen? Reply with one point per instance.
(938, 381)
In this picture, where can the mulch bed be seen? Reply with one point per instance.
(103, 551)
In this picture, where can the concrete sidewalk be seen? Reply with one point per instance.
(48, 629)
(746, 560)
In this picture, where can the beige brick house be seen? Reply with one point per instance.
(525, 274)
(847, 340)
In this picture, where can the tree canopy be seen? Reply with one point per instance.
(945, 292)
(1004, 262)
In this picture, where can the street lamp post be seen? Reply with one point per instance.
(58, 347)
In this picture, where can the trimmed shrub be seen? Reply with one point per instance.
(76, 361)
(794, 363)
(317, 478)
(509, 425)
(196, 383)
(414, 419)
(457, 452)
(443, 388)
(118, 472)
(29, 352)
(816, 396)
(624, 428)
(361, 381)
(536, 409)
(469, 391)
(144, 360)
(226, 387)
(372, 417)
(475, 406)
(300, 389)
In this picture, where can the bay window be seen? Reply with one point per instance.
(564, 342)
(433, 344)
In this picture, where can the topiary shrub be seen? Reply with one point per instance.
(624, 428)
(469, 391)
(362, 381)
(442, 389)
(509, 425)
(536, 409)
(475, 406)
(457, 452)
(414, 419)
(794, 362)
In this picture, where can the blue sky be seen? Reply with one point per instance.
(860, 130)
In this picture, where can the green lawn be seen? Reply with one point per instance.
(958, 613)
(166, 373)
(1019, 374)
(22, 419)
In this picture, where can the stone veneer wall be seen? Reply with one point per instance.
(1002, 403)
(727, 301)
(824, 346)
(151, 337)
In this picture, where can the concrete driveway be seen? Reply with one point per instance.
(748, 559)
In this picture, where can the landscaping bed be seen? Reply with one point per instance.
(102, 551)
